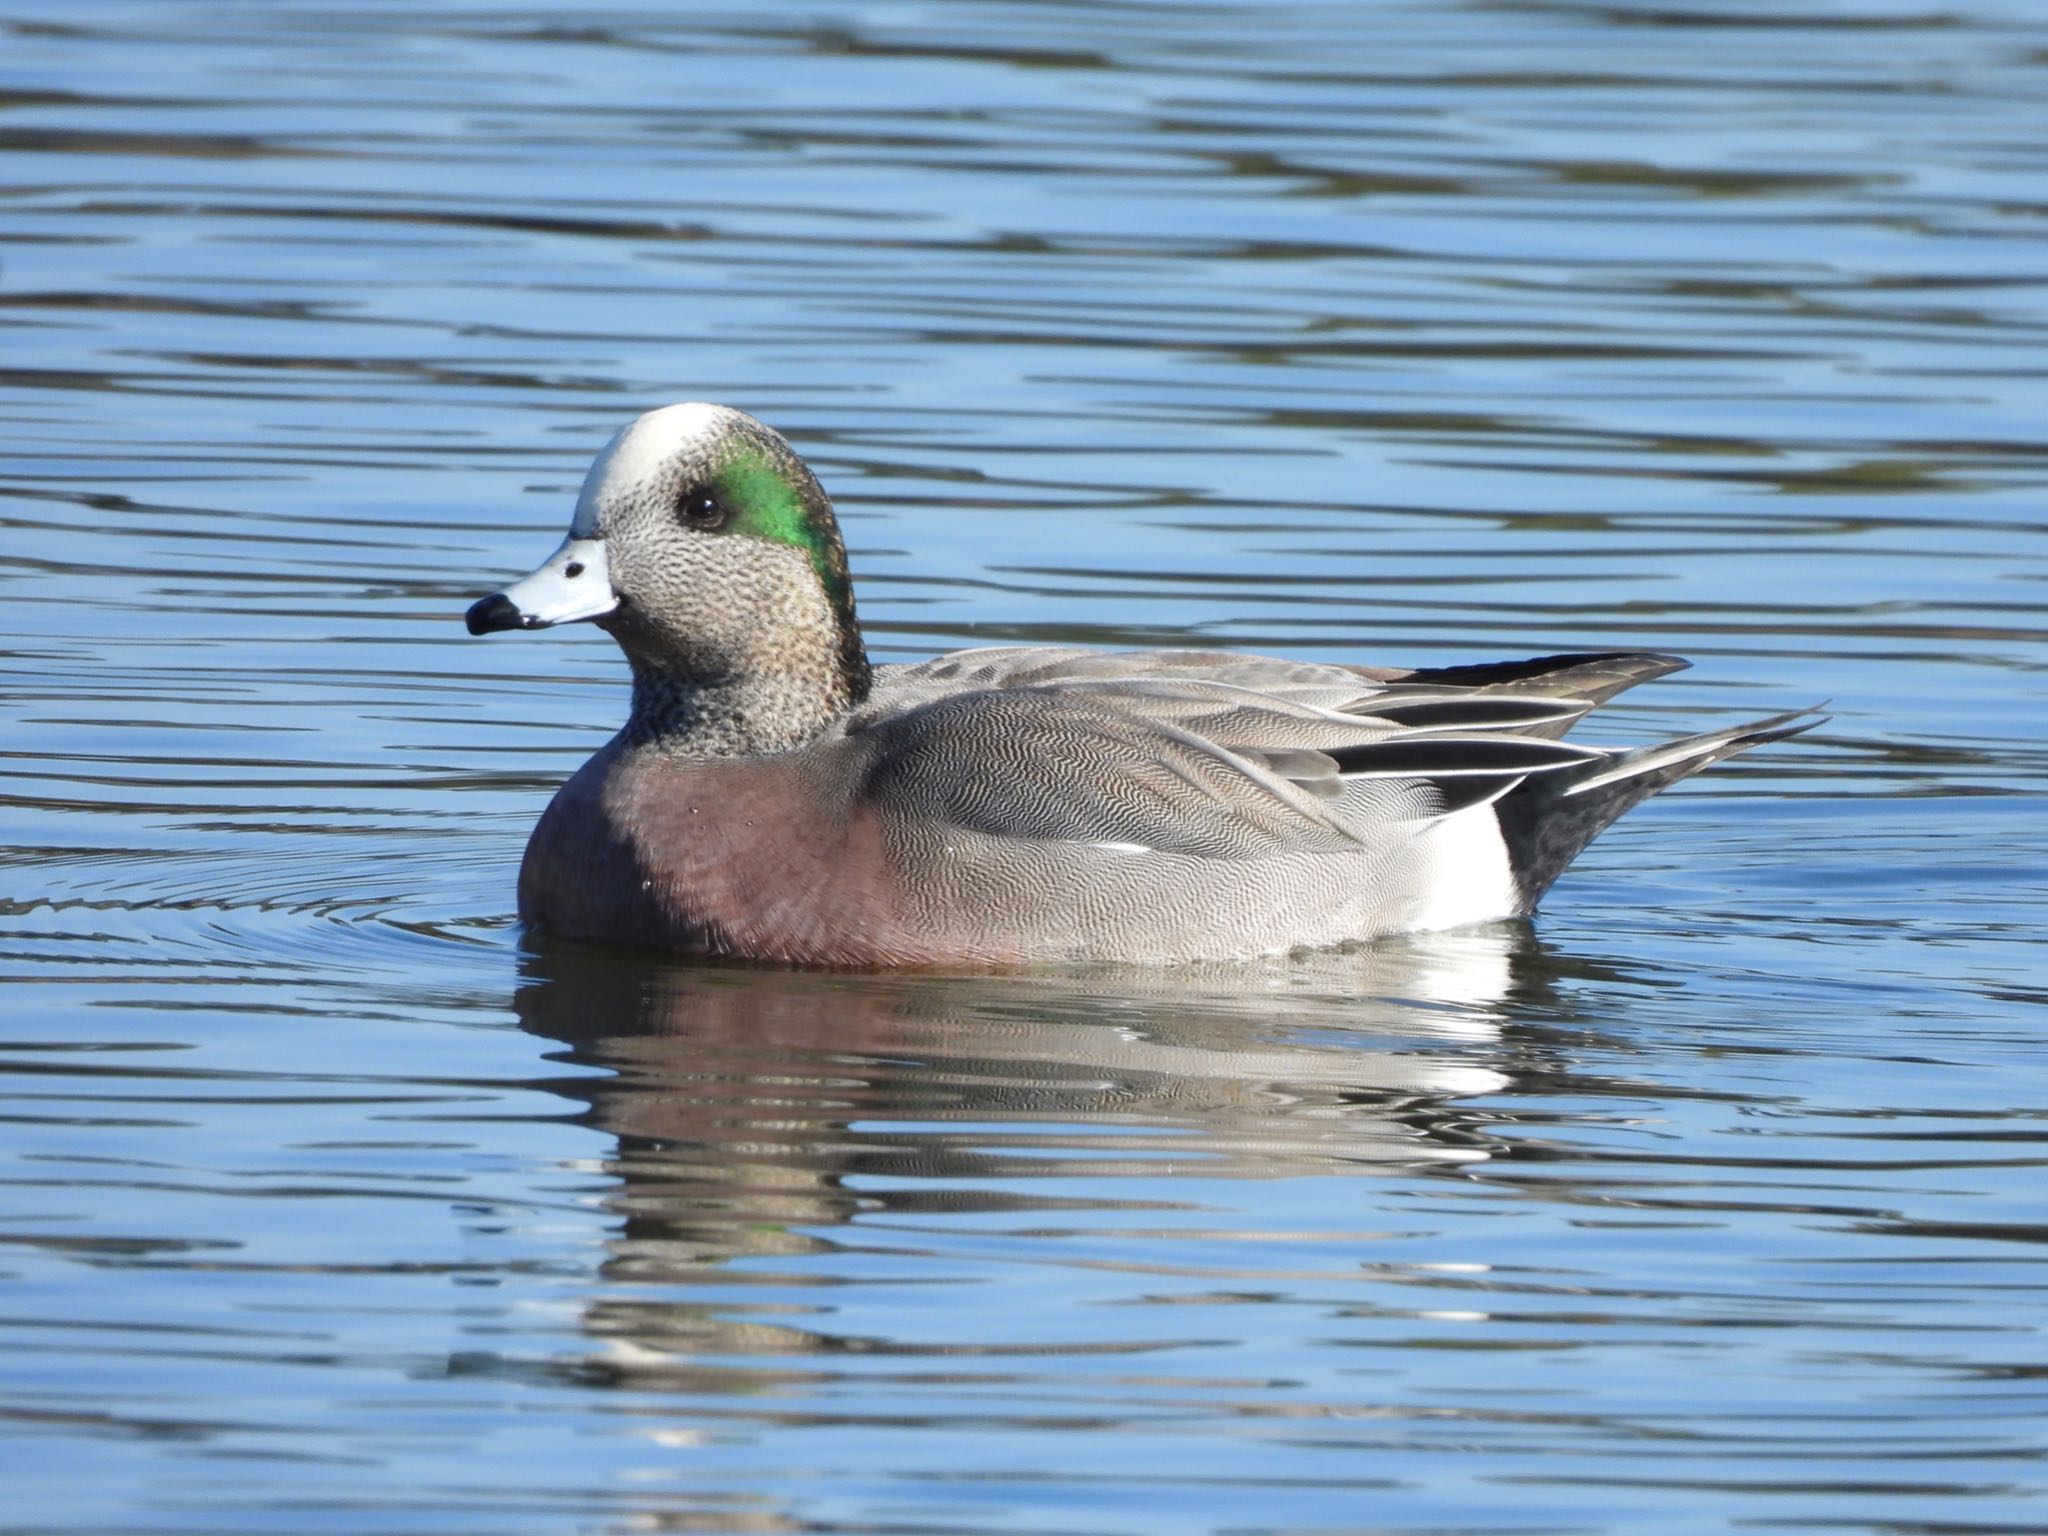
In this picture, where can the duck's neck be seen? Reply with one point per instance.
(744, 711)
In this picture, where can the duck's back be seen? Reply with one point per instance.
(1017, 805)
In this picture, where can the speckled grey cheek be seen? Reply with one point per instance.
(733, 645)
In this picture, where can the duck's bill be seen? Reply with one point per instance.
(573, 583)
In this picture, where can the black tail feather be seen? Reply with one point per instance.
(1588, 677)
(1548, 819)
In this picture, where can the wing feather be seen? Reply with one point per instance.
(1061, 766)
(1213, 754)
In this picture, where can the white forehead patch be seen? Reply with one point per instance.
(639, 451)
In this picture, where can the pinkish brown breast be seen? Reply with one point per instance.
(748, 857)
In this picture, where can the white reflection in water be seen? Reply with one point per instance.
(755, 1111)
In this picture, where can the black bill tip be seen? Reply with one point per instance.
(488, 614)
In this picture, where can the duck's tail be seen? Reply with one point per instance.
(1548, 819)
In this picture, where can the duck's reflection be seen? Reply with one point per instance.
(759, 1113)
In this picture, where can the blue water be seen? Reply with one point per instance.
(1410, 333)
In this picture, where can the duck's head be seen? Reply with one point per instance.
(709, 551)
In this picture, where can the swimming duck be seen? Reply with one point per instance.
(774, 795)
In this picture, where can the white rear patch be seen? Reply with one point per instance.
(1459, 873)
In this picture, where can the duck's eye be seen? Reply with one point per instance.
(700, 509)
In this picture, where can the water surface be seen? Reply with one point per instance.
(1404, 332)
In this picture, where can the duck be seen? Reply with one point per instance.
(775, 795)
